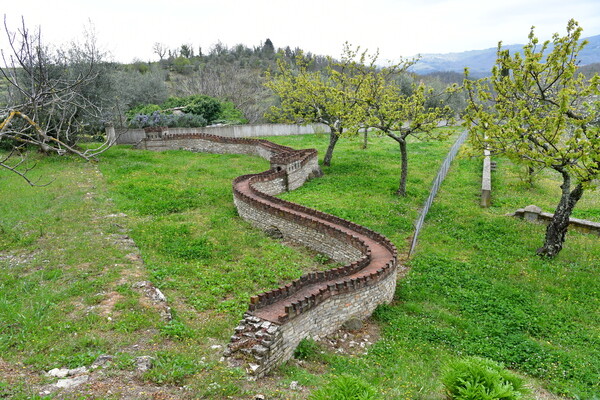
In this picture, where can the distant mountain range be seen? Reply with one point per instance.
(480, 62)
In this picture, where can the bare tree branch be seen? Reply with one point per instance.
(48, 103)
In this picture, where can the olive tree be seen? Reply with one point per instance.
(539, 111)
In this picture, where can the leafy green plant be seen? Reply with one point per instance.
(189, 121)
(183, 65)
(142, 109)
(322, 258)
(4, 389)
(131, 321)
(198, 110)
(197, 104)
(481, 379)
(19, 392)
(159, 118)
(230, 114)
(173, 368)
(306, 349)
(345, 387)
(10, 237)
(177, 330)
(124, 361)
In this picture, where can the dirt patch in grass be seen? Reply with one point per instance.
(352, 342)
(539, 393)
(110, 383)
(16, 373)
(106, 306)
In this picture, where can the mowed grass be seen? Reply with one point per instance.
(360, 184)
(194, 245)
(475, 287)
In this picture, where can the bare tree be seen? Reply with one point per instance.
(242, 86)
(160, 50)
(48, 103)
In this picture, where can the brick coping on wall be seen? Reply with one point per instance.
(376, 265)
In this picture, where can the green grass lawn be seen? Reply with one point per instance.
(475, 285)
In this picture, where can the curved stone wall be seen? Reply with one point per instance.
(316, 304)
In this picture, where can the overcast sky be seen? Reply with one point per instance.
(129, 28)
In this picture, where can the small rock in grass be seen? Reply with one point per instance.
(77, 371)
(143, 363)
(101, 360)
(72, 382)
(353, 324)
(58, 372)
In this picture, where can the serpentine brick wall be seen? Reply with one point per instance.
(317, 303)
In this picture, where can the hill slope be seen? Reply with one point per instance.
(480, 62)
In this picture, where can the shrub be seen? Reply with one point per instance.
(481, 379)
(148, 120)
(190, 121)
(205, 106)
(345, 387)
(307, 348)
(174, 102)
(230, 114)
(199, 110)
(142, 109)
(183, 65)
(171, 120)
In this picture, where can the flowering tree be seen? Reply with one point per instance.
(331, 98)
(539, 111)
(399, 115)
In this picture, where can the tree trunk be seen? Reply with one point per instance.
(557, 229)
(333, 138)
(365, 140)
(530, 172)
(403, 162)
(403, 168)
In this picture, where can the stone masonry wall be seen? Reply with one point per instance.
(269, 344)
(197, 143)
(133, 136)
(330, 243)
(318, 303)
